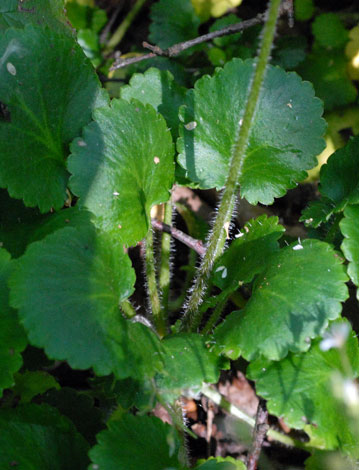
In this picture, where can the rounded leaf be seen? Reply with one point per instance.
(157, 88)
(349, 227)
(67, 288)
(50, 90)
(133, 443)
(188, 363)
(292, 302)
(283, 141)
(12, 336)
(173, 22)
(339, 178)
(123, 166)
(38, 437)
(299, 389)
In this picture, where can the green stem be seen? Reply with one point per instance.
(127, 308)
(152, 286)
(165, 267)
(219, 400)
(117, 36)
(215, 316)
(333, 231)
(192, 318)
(192, 259)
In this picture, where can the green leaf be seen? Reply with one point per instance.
(349, 227)
(289, 52)
(329, 31)
(50, 90)
(317, 212)
(173, 22)
(38, 437)
(339, 178)
(283, 141)
(68, 287)
(220, 463)
(188, 363)
(79, 408)
(249, 253)
(157, 88)
(329, 460)
(133, 443)
(327, 70)
(31, 383)
(303, 9)
(123, 166)
(12, 337)
(223, 23)
(300, 390)
(17, 13)
(288, 307)
(85, 17)
(71, 217)
(16, 223)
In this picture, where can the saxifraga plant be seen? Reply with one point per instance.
(82, 174)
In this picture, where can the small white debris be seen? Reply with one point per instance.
(290, 105)
(119, 226)
(226, 228)
(309, 221)
(239, 234)
(240, 122)
(81, 143)
(156, 160)
(116, 193)
(298, 247)
(11, 68)
(191, 125)
(224, 271)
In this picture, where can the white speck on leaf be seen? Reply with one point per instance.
(156, 160)
(290, 105)
(81, 143)
(115, 193)
(191, 125)
(298, 247)
(11, 68)
(119, 226)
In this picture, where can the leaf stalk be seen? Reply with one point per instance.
(216, 241)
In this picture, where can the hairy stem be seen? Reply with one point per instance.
(165, 267)
(152, 287)
(128, 309)
(215, 316)
(193, 317)
(117, 36)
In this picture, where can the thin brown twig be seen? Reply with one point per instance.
(259, 434)
(187, 240)
(176, 49)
